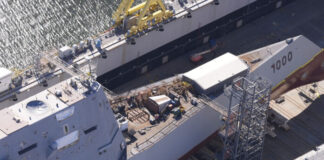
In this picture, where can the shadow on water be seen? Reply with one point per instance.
(306, 132)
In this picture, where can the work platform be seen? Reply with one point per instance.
(304, 112)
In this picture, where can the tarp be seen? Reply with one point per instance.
(216, 71)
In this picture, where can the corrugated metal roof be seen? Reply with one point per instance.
(216, 70)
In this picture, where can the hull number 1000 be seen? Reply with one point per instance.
(282, 62)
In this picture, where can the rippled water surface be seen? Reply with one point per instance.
(28, 27)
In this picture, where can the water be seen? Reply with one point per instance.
(28, 27)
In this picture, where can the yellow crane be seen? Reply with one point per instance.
(143, 15)
(121, 11)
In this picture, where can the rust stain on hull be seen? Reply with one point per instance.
(312, 71)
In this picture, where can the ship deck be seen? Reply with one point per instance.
(155, 133)
(145, 134)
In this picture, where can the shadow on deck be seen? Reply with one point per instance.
(306, 132)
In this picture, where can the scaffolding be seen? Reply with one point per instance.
(246, 120)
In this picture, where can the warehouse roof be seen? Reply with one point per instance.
(216, 71)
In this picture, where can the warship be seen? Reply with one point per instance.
(164, 120)
(122, 52)
(77, 118)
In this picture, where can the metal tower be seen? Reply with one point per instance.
(246, 120)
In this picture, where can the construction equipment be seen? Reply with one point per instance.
(182, 109)
(197, 57)
(176, 112)
(140, 17)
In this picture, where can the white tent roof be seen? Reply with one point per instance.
(216, 70)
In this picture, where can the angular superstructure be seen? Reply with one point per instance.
(71, 120)
(283, 58)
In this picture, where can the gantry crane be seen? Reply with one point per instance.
(143, 15)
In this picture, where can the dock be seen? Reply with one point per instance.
(304, 130)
